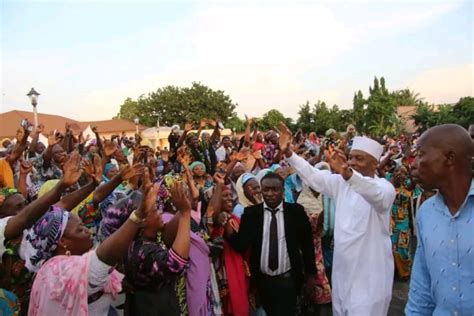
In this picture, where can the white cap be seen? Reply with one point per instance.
(175, 128)
(368, 145)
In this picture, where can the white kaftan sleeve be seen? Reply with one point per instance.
(376, 191)
(98, 274)
(3, 225)
(321, 181)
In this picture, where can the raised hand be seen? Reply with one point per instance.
(133, 171)
(72, 169)
(238, 156)
(149, 192)
(109, 148)
(93, 168)
(338, 162)
(219, 178)
(181, 199)
(203, 123)
(211, 122)
(285, 137)
(39, 129)
(188, 126)
(25, 167)
(52, 140)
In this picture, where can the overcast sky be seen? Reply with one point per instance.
(86, 57)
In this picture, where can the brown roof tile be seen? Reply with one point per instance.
(10, 122)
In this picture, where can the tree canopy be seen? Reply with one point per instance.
(375, 115)
(176, 105)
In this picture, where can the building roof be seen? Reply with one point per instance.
(10, 122)
(114, 125)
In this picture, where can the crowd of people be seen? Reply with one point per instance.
(269, 223)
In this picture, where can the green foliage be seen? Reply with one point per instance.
(272, 119)
(176, 105)
(461, 113)
(305, 118)
(128, 110)
(236, 124)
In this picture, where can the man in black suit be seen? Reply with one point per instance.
(282, 250)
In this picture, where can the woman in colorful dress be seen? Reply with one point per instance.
(153, 270)
(231, 268)
(400, 221)
(72, 278)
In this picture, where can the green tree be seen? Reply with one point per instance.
(358, 110)
(381, 108)
(463, 111)
(406, 97)
(272, 119)
(424, 117)
(236, 124)
(177, 105)
(322, 118)
(128, 110)
(305, 118)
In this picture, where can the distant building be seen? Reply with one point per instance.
(405, 112)
(10, 122)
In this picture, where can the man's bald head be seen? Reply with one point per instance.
(443, 151)
(449, 137)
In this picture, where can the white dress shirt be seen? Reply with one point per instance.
(363, 269)
(222, 152)
(283, 259)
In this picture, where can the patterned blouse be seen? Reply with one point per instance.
(148, 264)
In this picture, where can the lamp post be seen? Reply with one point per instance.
(136, 120)
(33, 95)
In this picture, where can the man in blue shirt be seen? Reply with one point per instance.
(442, 281)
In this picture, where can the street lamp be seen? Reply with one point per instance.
(33, 95)
(136, 120)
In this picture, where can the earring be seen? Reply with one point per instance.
(68, 253)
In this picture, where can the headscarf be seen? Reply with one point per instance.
(350, 126)
(107, 168)
(164, 195)
(197, 163)
(47, 186)
(41, 240)
(330, 131)
(243, 200)
(262, 173)
(6, 174)
(313, 138)
(7, 192)
(275, 167)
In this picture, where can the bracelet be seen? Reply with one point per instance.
(137, 220)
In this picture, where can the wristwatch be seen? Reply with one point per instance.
(137, 220)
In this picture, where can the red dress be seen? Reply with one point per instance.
(322, 291)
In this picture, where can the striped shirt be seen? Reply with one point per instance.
(283, 259)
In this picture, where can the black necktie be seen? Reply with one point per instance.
(273, 249)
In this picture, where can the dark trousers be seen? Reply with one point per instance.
(278, 295)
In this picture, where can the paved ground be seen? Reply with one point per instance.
(399, 298)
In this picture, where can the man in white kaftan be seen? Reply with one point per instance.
(363, 267)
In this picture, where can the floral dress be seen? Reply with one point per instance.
(154, 272)
(400, 228)
(322, 291)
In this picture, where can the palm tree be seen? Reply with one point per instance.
(407, 97)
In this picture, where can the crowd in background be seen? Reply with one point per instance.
(110, 227)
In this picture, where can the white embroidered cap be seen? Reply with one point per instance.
(368, 145)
